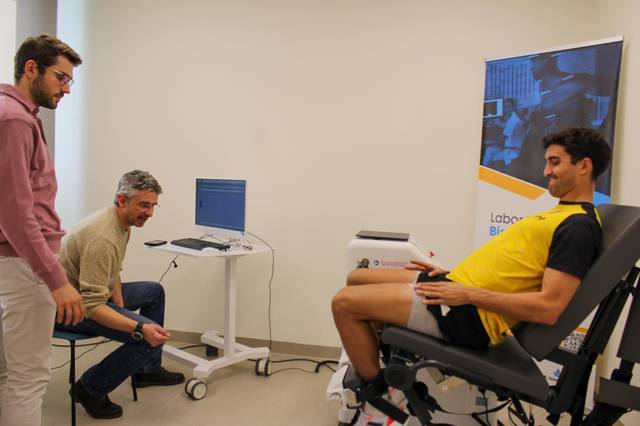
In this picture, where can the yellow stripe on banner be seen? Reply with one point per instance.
(509, 183)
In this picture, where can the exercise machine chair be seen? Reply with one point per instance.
(508, 369)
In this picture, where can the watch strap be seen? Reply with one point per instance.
(137, 332)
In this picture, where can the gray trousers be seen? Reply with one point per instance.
(27, 313)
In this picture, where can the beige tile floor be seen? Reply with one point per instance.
(236, 396)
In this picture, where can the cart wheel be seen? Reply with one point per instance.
(196, 388)
(262, 367)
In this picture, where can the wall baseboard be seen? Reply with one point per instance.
(316, 351)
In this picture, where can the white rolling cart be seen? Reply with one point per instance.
(234, 352)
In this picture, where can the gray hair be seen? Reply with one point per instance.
(134, 181)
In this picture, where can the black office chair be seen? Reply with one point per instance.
(72, 338)
(508, 369)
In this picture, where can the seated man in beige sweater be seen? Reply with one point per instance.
(92, 255)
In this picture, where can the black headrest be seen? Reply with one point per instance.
(620, 251)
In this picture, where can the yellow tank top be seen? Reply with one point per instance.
(513, 261)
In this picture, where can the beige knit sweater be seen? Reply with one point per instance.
(92, 254)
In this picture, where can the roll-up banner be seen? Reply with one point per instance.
(526, 98)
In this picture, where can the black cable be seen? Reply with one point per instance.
(319, 364)
(331, 368)
(326, 364)
(297, 359)
(291, 368)
(175, 265)
(95, 345)
(273, 265)
(200, 345)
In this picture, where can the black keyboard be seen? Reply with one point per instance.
(197, 244)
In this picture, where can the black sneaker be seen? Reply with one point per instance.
(98, 407)
(159, 377)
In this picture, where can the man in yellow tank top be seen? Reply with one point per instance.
(529, 272)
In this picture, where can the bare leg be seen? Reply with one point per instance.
(381, 276)
(355, 307)
(364, 276)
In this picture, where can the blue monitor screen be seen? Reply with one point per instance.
(220, 203)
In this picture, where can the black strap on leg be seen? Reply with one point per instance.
(373, 389)
(372, 392)
(421, 404)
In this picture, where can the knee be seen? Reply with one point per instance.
(158, 290)
(32, 384)
(341, 303)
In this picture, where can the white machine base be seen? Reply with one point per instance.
(204, 367)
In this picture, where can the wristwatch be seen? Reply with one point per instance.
(137, 333)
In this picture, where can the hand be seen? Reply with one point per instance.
(418, 265)
(443, 293)
(154, 334)
(70, 306)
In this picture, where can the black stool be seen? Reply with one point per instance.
(72, 337)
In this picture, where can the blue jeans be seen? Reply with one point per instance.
(133, 355)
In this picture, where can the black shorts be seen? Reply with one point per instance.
(462, 325)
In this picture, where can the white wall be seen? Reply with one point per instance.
(342, 115)
(7, 39)
(34, 17)
(72, 117)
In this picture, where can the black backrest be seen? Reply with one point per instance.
(629, 349)
(620, 251)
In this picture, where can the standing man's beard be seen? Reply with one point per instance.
(40, 97)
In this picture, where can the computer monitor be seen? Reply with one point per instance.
(220, 207)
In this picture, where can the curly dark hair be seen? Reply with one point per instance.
(581, 142)
(44, 49)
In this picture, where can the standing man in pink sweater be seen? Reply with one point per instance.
(32, 282)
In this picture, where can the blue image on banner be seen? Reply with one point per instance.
(529, 97)
(600, 198)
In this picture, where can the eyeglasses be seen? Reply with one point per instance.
(63, 78)
(146, 206)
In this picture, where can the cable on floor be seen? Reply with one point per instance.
(95, 345)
